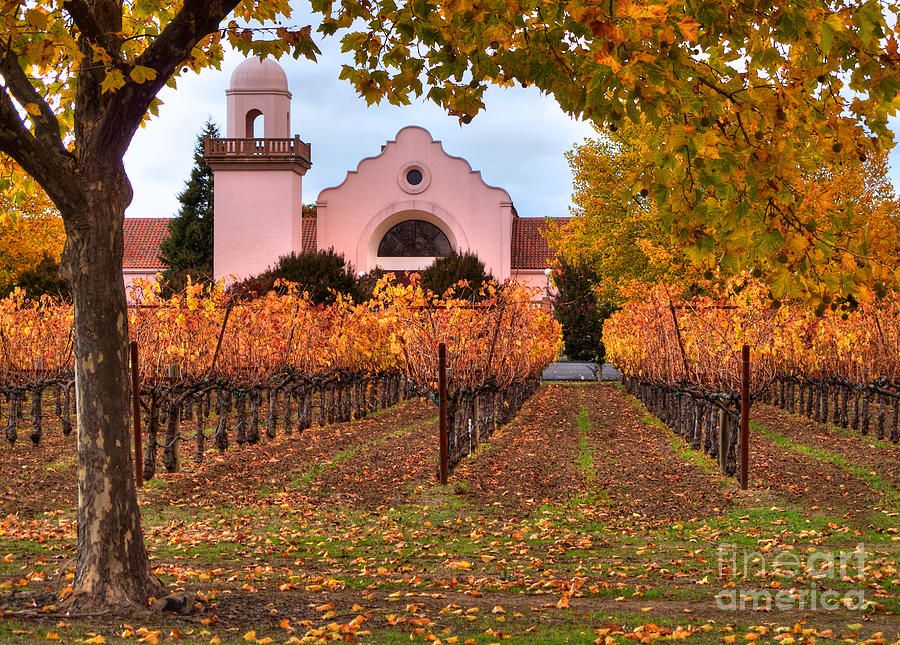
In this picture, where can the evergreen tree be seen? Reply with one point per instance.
(580, 312)
(188, 248)
(43, 278)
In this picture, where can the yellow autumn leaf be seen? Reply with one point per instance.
(141, 74)
(689, 27)
(113, 80)
(151, 637)
(605, 59)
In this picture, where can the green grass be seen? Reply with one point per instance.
(15, 631)
(155, 482)
(25, 554)
(661, 568)
(555, 628)
(211, 552)
(62, 464)
(306, 477)
(28, 548)
(684, 450)
(790, 524)
(406, 429)
(700, 459)
(435, 504)
(585, 456)
(870, 439)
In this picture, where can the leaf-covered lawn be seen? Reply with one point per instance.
(583, 520)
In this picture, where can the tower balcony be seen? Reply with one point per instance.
(257, 152)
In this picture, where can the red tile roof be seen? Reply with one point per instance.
(529, 249)
(309, 232)
(143, 238)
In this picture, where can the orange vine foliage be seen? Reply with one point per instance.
(698, 341)
(35, 338)
(502, 340)
(261, 338)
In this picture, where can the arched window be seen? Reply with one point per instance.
(414, 238)
(255, 124)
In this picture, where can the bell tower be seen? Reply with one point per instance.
(258, 173)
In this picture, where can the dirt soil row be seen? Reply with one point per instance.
(865, 451)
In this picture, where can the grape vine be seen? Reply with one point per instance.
(682, 359)
(239, 370)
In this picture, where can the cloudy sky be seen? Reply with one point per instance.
(518, 142)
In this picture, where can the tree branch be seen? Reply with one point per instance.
(50, 166)
(196, 20)
(86, 21)
(46, 127)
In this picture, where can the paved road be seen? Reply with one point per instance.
(573, 371)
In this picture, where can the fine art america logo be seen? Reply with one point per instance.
(820, 571)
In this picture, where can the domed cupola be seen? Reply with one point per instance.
(259, 75)
(259, 103)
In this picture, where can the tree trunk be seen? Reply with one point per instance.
(113, 570)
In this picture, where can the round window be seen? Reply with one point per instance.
(414, 177)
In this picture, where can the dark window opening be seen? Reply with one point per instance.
(414, 239)
(414, 177)
(255, 125)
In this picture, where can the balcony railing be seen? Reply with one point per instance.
(257, 150)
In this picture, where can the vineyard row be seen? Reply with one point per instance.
(240, 368)
(844, 404)
(682, 359)
(222, 414)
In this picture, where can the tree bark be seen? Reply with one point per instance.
(81, 170)
(113, 571)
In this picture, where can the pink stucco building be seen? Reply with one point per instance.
(397, 210)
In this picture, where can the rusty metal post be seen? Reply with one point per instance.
(442, 407)
(724, 440)
(745, 416)
(136, 401)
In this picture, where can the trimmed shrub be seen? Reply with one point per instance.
(445, 272)
(321, 274)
